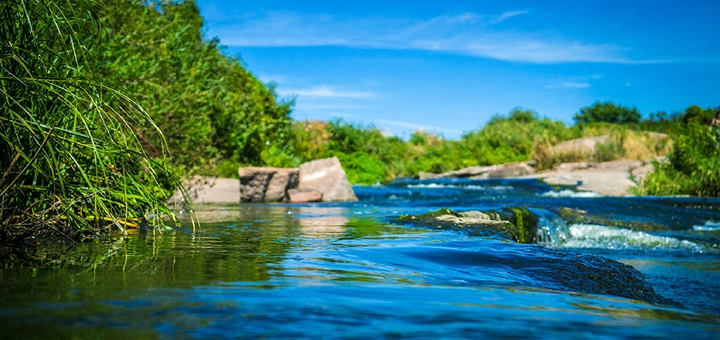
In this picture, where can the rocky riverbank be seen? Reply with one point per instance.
(613, 178)
(325, 180)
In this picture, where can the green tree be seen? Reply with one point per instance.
(210, 106)
(607, 112)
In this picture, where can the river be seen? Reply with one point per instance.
(634, 267)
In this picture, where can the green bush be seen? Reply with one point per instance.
(209, 106)
(362, 168)
(607, 112)
(693, 168)
(512, 138)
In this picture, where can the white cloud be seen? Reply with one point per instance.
(326, 91)
(569, 85)
(466, 33)
(272, 78)
(508, 15)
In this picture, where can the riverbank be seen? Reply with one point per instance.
(614, 178)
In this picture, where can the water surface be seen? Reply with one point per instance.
(651, 269)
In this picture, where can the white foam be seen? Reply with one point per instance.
(430, 186)
(452, 186)
(708, 226)
(570, 193)
(597, 236)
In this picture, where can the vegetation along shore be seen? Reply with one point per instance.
(108, 105)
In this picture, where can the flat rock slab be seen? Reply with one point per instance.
(304, 196)
(604, 182)
(607, 179)
(210, 190)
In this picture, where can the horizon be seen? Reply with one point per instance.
(448, 68)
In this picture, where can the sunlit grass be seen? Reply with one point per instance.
(71, 164)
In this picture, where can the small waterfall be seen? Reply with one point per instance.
(552, 230)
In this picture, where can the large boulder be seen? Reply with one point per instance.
(326, 176)
(259, 184)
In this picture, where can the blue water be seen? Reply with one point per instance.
(636, 267)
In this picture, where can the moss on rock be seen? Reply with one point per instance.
(514, 223)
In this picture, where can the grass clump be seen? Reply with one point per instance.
(73, 165)
(693, 166)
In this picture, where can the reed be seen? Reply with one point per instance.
(71, 164)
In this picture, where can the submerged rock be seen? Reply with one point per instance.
(590, 274)
(514, 223)
(548, 268)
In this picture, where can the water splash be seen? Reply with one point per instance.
(552, 230)
(602, 237)
(455, 186)
(570, 193)
(708, 226)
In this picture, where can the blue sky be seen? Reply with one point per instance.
(448, 66)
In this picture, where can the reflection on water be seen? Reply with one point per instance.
(345, 270)
(322, 222)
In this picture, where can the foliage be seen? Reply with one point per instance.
(607, 112)
(512, 138)
(693, 167)
(696, 114)
(72, 160)
(209, 106)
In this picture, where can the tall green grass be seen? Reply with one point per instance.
(71, 164)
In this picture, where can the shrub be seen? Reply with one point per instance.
(693, 167)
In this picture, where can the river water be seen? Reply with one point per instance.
(631, 267)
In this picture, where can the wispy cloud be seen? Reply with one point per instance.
(326, 91)
(508, 15)
(568, 85)
(272, 78)
(466, 33)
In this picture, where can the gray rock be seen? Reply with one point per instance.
(207, 190)
(427, 175)
(474, 172)
(511, 170)
(327, 177)
(266, 184)
(489, 171)
(574, 166)
(620, 165)
(304, 196)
